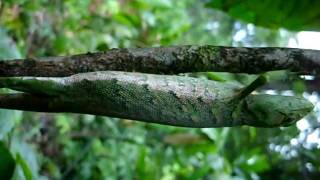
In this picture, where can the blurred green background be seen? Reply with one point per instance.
(72, 146)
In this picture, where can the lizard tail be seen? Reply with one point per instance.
(25, 102)
(33, 85)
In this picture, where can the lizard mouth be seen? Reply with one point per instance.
(288, 121)
(295, 115)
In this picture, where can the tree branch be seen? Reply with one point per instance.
(170, 60)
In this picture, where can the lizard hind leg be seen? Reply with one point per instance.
(33, 85)
(259, 81)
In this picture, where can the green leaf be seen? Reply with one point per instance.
(215, 76)
(294, 15)
(25, 168)
(63, 123)
(7, 163)
(299, 86)
(102, 46)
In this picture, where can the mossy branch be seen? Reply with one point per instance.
(170, 60)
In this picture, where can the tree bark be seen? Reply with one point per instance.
(170, 60)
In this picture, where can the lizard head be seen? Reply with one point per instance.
(274, 110)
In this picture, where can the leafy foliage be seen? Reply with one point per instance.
(71, 146)
(7, 163)
(294, 15)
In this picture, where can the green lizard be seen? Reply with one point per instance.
(163, 99)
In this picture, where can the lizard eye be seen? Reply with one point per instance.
(275, 119)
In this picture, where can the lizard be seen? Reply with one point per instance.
(163, 99)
